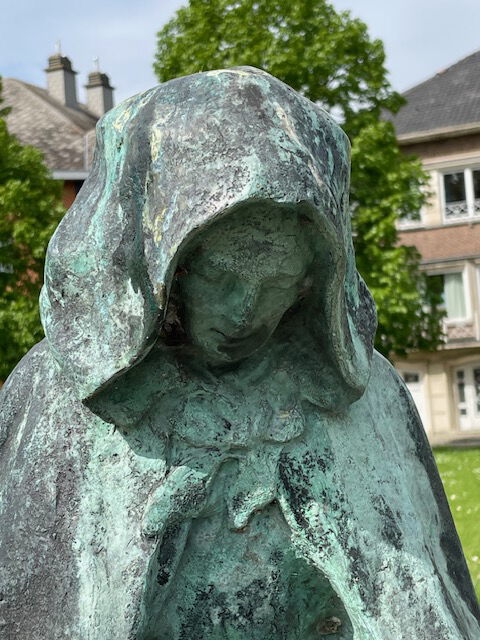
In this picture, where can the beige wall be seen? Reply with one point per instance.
(440, 393)
(437, 412)
(432, 211)
(441, 417)
(442, 149)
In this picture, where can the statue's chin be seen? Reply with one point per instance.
(236, 348)
(220, 357)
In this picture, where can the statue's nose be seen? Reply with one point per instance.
(246, 297)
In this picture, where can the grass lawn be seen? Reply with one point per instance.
(460, 472)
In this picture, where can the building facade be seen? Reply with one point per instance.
(441, 125)
(56, 122)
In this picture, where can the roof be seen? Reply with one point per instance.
(446, 103)
(449, 242)
(63, 134)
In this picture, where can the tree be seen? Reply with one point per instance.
(330, 58)
(30, 208)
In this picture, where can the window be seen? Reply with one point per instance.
(461, 392)
(454, 295)
(476, 189)
(452, 289)
(467, 382)
(461, 194)
(77, 185)
(410, 377)
(414, 381)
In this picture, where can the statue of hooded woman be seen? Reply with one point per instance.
(204, 445)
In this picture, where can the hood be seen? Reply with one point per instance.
(168, 162)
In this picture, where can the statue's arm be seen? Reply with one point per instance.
(39, 470)
(443, 555)
(126, 400)
(16, 395)
(365, 504)
(449, 541)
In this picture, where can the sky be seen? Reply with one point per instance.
(421, 37)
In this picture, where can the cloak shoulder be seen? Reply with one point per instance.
(40, 470)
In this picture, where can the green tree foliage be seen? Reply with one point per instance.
(329, 57)
(30, 208)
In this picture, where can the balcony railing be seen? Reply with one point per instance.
(456, 210)
(460, 210)
(461, 331)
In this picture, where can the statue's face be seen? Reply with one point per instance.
(246, 271)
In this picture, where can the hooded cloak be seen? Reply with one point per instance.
(97, 508)
(167, 163)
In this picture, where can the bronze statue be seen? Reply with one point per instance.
(205, 446)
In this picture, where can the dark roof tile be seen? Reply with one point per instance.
(61, 133)
(450, 98)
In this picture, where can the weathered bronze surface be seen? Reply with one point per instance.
(204, 447)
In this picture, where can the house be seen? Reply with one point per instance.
(54, 121)
(441, 125)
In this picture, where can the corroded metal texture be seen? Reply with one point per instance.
(204, 446)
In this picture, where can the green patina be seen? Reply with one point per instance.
(206, 446)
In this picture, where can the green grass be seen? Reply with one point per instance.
(460, 472)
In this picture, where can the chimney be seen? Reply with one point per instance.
(99, 93)
(61, 80)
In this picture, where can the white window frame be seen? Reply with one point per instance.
(469, 193)
(471, 419)
(419, 388)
